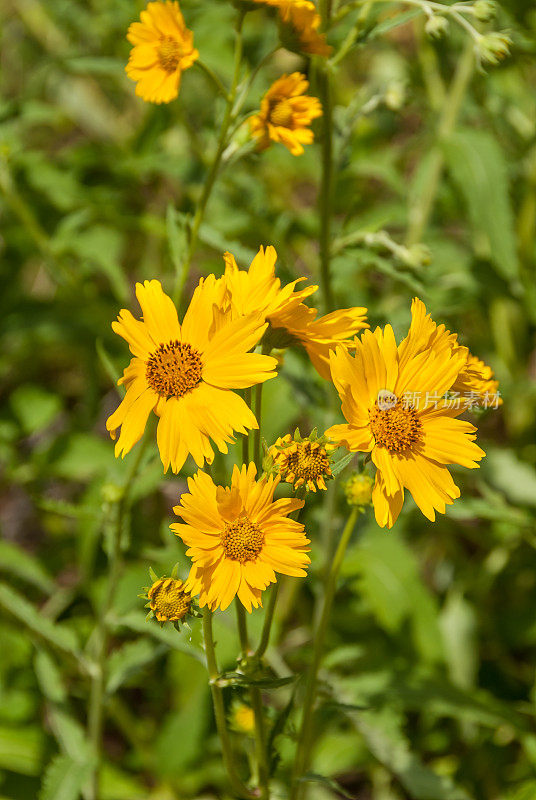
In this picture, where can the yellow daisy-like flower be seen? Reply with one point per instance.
(186, 373)
(258, 291)
(168, 600)
(286, 114)
(163, 49)
(301, 22)
(239, 537)
(410, 446)
(475, 381)
(302, 462)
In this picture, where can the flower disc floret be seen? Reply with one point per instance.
(174, 369)
(397, 428)
(168, 600)
(242, 540)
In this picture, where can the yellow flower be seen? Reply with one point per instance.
(358, 489)
(411, 445)
(258, 291)
(286, 114)
(168, 600)
(163, 49)
(302, 21)
(320, 335)
(239, 537)
(475, 381)
(185, 373)
(303, 462)
(242, 718)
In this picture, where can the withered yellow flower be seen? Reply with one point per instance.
(302, 462)
(239, 537)
(476, 381)
(163, 49)
(286, 114)
(186, 374)
(258, 291)
(168, 600)
(410, 443)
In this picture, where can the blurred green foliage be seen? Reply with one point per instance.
(428, 689)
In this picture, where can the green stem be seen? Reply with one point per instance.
(419, 214)
(260, 745)
(215, 166)
(306, 734)
(212, 77)
(242, 627)
(101, 634)
(268, 619)
(237, 785)
(257, 432)
(325, 200)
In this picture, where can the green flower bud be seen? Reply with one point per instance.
(485, 10)
(358, 489)
(493, 47)
(436, 26)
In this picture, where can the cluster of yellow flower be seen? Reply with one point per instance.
(163, 48)
(187, 373)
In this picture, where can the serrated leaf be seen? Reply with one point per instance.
(49, 677)
(343, 462)
(64, 779)
(15, 560)
(129, 659)
(478, 167)
(25, 612)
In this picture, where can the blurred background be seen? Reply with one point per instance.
(428, 689)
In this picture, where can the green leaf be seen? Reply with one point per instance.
(389, 579)
(49, 677)
(237, 679)
(478, 167)
(64, 779)
(16, 561)
(21, 749)
(25, 612)
(70, 735)
(34, 407)
(339, 465)
(516, 478)
(129, 659)
(383, 735)
(313, 777)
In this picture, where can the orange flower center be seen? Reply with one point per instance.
(174, 369)
(169, 53)
(168, 600)
(308, 461)
(395, 428)
(281, 114)
(242, 540)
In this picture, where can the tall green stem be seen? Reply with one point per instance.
(325, 200)
(101, 635)
(215, 166)
(306, 734)
(421, 210)
(242, 627)
(238, 786)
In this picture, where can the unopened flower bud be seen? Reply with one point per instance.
(494, 47)
(485, 10)
(394, 95)
(419, 255)
(358, 489)
(436, 26)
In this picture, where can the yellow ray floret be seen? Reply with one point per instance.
(286, 114)
(476, 383)
(300, 23)
(258, 291)
(168, 600)
(392, 401)
(186, 373)
(239, 537)
(163, 49)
